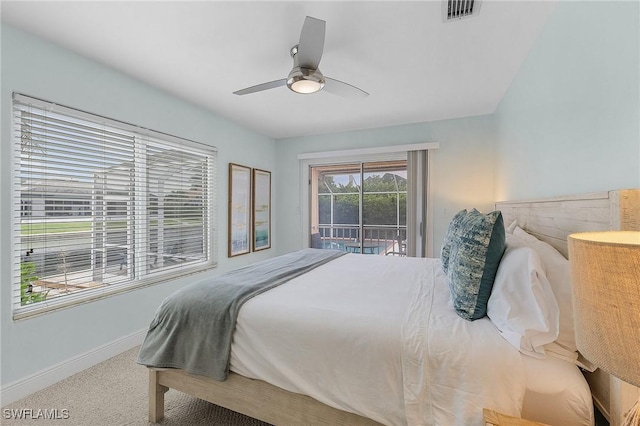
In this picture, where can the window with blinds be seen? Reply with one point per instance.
(101, 206)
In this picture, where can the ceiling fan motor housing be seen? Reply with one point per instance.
(305, 81)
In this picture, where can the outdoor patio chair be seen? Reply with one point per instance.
(400, 250)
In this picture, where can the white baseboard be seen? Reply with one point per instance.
(35, 382)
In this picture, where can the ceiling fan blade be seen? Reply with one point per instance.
(341, 88)
(311, 43)
(261, 87)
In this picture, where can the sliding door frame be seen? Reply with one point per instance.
(351, 156)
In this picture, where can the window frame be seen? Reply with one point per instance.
(142, 278)
(361, 227)
(373, 154)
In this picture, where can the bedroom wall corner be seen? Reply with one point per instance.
(34, 347)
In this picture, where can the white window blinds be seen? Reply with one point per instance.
(101, 206)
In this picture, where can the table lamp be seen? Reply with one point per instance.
(605, 275)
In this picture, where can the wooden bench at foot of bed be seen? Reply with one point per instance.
(250, 397)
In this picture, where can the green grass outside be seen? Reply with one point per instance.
(46, 228)
(80, 226)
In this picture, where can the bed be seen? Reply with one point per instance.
(402, 355)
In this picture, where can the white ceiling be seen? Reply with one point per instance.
(415, 67)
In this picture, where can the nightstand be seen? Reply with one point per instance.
(493, 418)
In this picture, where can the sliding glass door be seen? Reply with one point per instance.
(360, 207)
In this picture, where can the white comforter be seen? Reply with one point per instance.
(378, 336)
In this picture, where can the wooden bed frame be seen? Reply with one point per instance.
(551, 220)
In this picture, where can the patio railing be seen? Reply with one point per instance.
(371, 239)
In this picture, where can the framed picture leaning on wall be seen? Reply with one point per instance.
(261, 209)
(239, 209)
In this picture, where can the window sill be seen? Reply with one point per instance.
(87, 296)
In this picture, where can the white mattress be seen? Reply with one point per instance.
(377, 336)
(557, 393)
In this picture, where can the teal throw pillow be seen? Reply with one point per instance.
(475, 255)
(452, 232)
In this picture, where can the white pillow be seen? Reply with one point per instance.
(556, 268)
(522, 305)
(509, 229)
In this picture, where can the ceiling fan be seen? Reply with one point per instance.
(305, 77)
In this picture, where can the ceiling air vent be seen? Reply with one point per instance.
(459, 9)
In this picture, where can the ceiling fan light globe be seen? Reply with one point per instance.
(305, 81)
(305, 86)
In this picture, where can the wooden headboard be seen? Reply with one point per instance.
(552, 220)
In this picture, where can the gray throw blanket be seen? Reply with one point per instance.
(193, 328)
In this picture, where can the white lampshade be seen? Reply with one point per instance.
(605, 271)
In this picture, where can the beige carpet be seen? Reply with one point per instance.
(114, 392)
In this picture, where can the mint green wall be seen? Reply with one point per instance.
(570, 122)
(40, 69)
(461, 169)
